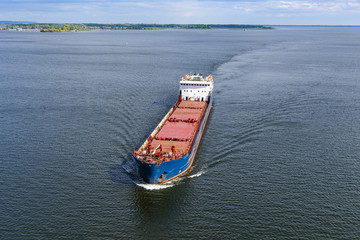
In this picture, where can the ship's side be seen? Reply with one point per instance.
(170, 149)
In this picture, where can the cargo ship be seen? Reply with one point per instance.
(170, 149)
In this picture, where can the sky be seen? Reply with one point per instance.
(268, 12)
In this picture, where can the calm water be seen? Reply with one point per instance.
(280, 158)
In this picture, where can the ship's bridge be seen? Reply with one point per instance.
(196, 87)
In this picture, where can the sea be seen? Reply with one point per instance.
(279, 159)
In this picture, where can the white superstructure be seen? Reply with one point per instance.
(196, 87)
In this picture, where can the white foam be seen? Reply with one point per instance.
(170, 183)
(155, 186)
(197, 174)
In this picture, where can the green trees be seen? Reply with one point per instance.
(47, 27)
(52, 27)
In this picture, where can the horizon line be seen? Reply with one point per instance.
(284, 25)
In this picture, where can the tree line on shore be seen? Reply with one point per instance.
(48, 27)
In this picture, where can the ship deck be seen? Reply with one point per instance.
(178, 131)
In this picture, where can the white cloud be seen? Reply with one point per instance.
(309, 6)
(182, 11)
(355, 5)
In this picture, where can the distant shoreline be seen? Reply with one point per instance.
(49, 27)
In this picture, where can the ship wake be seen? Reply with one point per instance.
(197, 174)
(171, 183)
(151, 187)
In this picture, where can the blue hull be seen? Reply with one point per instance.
(157, 174)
